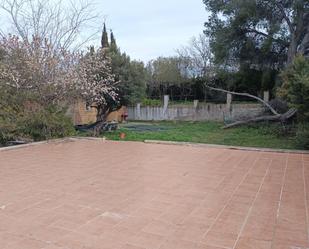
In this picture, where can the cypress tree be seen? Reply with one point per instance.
(104, 40)
(113, 41)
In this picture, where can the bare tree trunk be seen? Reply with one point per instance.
(102, 114)
(292, 50)
(304, 47)
(205, 94)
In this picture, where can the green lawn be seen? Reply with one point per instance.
(265, 135)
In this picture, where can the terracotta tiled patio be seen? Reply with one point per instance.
(91, 194)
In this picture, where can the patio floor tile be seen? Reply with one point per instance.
(95, 194)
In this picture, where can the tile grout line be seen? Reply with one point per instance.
(232, 195)
(250, 210)
(162, 243)
(305, 195)
(224, 178)
(242, 159)
(280, 199)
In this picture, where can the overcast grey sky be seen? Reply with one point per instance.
(145, 29)
(148, 29)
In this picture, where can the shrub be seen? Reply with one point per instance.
(295, 87)
(152, 102)
(10, 112)
(302, 136)
(28, 125)
(47, 123)
(6, 132)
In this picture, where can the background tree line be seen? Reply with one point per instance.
(247, 46)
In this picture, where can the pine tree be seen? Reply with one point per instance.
(104, 40)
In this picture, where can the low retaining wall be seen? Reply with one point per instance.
(201, 112)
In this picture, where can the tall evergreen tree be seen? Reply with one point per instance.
(261, 36)
(259, 32)
(130, 74)
(113, 42)
(104, 40)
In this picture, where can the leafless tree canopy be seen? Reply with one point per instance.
(199, 54)
(60, 22)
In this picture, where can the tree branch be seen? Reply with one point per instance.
(286, 18)
(246, 95)
(267, 36)
(280, 117)
(60, 23)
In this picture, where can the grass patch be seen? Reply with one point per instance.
(263, 135)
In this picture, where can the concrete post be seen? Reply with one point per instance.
(195, 104)
(229, 99)
(165, 106)
(266, 96)
(138, 110)
(166, 100)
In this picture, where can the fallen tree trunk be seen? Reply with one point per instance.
(280, 117)
(275, 117)
(246, 95)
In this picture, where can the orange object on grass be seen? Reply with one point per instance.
(122, 135)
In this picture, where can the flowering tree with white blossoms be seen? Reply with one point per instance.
(97, 84)
(36, 82)
(42, 69)
(34, 68)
